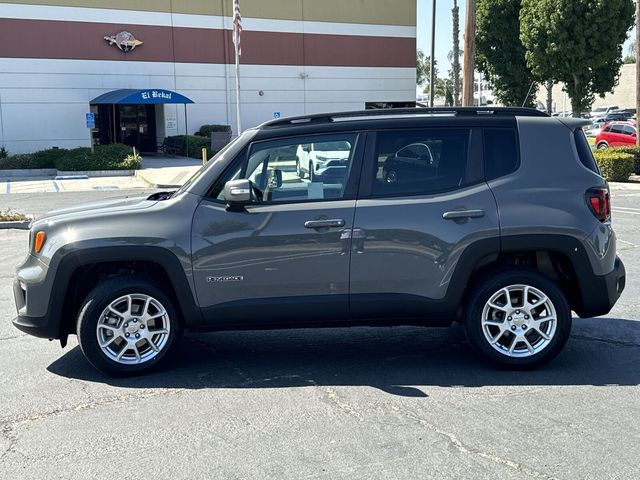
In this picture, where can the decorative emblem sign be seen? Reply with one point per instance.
(124, 40)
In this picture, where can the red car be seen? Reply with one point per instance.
(617, 134)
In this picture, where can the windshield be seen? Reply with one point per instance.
(332, 147)
(600, 109)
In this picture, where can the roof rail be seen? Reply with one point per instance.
(363, 114)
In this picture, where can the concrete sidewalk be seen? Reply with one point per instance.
(167, 172)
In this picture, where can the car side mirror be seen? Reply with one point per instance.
(307, 148)
(237, 193)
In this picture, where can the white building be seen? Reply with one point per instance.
(298, 56)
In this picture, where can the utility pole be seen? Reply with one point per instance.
(455, 15)
(469, 54)
(432, 81)
(637, 63)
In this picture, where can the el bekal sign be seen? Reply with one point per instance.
(156, 94)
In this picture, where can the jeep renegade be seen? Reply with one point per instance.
(507, 230)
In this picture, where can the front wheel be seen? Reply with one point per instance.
(602, 145)
(517, 319)
(127, 325)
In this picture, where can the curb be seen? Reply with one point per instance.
(23, 225)
(139, 175)
(57, 174)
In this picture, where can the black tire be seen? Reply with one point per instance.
(482, 292)
(95, 304)
(391, 176)
(602, 145)
(312, 176)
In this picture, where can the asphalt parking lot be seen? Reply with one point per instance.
(358, 403)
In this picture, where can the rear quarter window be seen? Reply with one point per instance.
(501, 153)
(584, 151)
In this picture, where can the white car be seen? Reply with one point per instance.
(322, 160)
(603, 111)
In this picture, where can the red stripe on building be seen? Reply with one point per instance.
(84, 41)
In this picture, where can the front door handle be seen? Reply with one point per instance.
(458, 214)
(335, 223)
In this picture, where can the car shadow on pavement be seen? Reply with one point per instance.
(402, 361)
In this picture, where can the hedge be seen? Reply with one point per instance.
(615, 165)
(104, 157)
(635, 151)
(178, 143)
(207, 130)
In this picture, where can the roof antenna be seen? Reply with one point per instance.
(528, 93)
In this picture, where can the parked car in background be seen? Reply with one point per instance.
(617, 134)
(412, 161)
(603, 110)
(322, 160)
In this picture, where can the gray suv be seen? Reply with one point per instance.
(508, 231)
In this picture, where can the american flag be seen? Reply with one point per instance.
(237, 26)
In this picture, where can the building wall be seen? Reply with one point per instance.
(624, 95)
(298, 56)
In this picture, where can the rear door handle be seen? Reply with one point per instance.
(334, 223)
(458, 214)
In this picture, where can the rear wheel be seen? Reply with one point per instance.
(518, 319)
(127, 325)
(299, 170)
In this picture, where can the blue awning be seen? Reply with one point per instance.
(140, 97)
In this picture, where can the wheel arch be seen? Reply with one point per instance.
(78, 272)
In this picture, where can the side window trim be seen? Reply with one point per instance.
(370, 163)
(351, 185)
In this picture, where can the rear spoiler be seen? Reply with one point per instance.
(574, 123)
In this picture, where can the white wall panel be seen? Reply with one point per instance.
(44, 101)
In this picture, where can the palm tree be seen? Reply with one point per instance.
(455, 53)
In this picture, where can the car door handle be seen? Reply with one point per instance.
(335, 223)
(458, 214)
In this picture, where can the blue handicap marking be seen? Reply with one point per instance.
(276, 114)
(91, 120)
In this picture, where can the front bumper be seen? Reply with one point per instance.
(600, 294)
(32, 295)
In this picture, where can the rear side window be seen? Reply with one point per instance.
(500, 152)
(584, 151)
(420, 162)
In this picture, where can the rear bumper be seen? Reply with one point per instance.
(602, 292)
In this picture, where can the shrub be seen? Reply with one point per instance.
(48, 158)
(635, 151)
(18, 161)
(3, 153)
(616, 166)
(178, 144)
(105, 157)
(206, 130)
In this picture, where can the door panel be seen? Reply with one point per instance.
(284, 257)
(407, 248)
(409, 235)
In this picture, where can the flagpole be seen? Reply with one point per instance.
(239, 125)
(237, 30)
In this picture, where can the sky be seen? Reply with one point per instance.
(444, 31)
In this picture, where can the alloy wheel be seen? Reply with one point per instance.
(519, 321)
(133, 329)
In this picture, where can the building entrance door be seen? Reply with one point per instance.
(133, 125)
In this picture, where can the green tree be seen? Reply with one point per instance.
(578, 43)
(423, 68)
(500, 54)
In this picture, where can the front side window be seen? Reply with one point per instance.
(616, 129)
(416, 162)
(297, 169)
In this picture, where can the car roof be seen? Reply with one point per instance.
(376, 119)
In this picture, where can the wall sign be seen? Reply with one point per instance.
(124, 40)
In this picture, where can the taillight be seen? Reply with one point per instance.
(599, 203)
